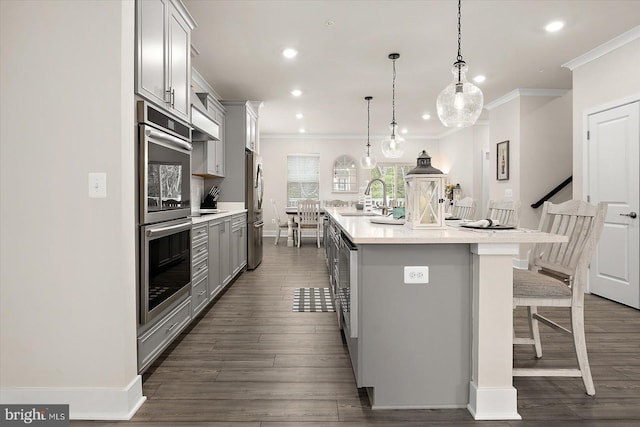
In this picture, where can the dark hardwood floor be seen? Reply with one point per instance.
(249, 361)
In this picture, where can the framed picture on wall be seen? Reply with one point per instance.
(502, 164)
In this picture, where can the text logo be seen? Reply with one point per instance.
(34, 415)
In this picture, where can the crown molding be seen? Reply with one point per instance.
(197, 78)
(337, 136)
(517, 93)
(604, 49)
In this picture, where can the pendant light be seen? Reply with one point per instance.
(368, 161)
(393, 147)
(460, 103)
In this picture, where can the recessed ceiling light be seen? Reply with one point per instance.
(554, 26)
(404, 130)
(296, 92)
(426, 116)
(299, 115)
(479, 79)
(289, 53)
(302, 130)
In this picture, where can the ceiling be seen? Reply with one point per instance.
(344, 46)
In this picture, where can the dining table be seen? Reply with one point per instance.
(292, 212)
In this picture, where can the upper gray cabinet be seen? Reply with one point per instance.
(345, 175)
(163, 61)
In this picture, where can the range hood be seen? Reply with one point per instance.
(204, 128)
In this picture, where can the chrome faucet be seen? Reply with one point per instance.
(367, 191)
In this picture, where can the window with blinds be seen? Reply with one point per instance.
(303, 178)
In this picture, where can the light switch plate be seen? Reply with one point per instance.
(508, 192)
(97, 185)
(416, 274)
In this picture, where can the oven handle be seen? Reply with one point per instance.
(163, 231)
(168, 138)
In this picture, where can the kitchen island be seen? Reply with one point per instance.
(434, 337)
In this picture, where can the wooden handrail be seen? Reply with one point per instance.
(552, 193)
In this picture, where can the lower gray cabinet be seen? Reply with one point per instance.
(238, 243)
(199, 268)
(215, 233)
(156, 339)
(225, 252)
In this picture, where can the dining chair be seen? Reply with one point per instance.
(556, 277)
(464, 208)
(282, 225)
(505, 212)
(308, 218)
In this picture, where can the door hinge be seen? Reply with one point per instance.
(588, 199)
(588, 135)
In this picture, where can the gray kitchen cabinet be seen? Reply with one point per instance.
(208, 157)
(215, 233)
(199, 268)
(243, 243)
(164, 27)
(156, 339)
(238, 136)
(238, 243)
(225, 251)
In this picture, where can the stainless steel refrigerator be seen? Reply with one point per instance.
(253, 201)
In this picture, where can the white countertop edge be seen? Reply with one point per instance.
(209, 217)
(361, 231)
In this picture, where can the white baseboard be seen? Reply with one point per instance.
(522, 264)
(493, 403)
(85, 403)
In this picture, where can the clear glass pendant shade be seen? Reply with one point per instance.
(460, 103)
(393, 146)
(367, 161)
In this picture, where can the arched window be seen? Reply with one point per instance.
(345, 175)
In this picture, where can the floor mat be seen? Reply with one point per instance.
(312, 300)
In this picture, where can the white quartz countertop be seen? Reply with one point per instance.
(209, 217)
(361, 230)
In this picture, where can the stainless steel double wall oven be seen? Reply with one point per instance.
(164, 175)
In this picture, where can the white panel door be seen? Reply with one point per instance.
(614, 157)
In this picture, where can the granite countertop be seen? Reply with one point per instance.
(361, 230)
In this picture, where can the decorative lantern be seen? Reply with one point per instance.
(424, 189)
(457, 192)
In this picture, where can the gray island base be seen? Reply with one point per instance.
(414, 339)
(442, 344)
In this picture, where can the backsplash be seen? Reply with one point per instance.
(197, 192)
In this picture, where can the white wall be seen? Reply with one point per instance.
(461, 159)
(545, 152)
(274, 157)
(538, 129)
(67, 274)
(505, 126)
(607, 79)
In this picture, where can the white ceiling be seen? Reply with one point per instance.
(240, 45)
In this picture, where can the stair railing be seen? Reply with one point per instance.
(552, 193)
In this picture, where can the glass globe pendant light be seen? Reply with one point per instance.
(460, 103)
(393, 147)
(368, 161)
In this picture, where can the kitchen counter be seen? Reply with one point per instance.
(444, 341)
(361, 230)
(208, 217)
